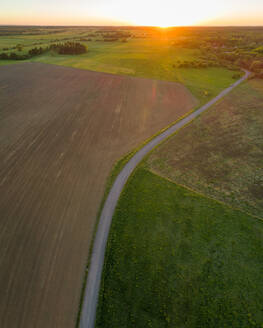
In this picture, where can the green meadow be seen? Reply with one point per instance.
(176, 258)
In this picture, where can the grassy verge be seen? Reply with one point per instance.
(178, 259)
(8, 62)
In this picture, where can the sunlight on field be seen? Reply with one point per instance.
(143, 52)
(147, 58)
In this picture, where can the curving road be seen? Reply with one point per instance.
(88, 311)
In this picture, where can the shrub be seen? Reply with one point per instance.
(110, 40)
(4, 56)
(14, 56)
(19, 47)
(31, 53)
(36, 51)
(236, 76)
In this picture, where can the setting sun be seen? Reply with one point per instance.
(165, 13)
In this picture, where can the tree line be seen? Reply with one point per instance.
(230, 50)
(68, 48)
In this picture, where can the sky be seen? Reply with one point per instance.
(132, 12)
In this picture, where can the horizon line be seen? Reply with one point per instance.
(175, 26)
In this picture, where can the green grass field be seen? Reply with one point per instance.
(8, 62)
(220, 154)
(178, 259)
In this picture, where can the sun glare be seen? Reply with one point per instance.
(164, 26)
(165, 13)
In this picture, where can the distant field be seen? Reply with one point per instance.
(221, 153)
(61, 130)
(151, 57)
(178, 259)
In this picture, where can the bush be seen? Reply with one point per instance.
(110, 40)
(36, 51)
(31, 53)
(236, 76)
(14, 56)
(4, 56)
(19, 47)
(193, 64)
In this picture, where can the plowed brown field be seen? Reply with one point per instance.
(61, 130)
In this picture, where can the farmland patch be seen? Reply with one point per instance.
(61, 130)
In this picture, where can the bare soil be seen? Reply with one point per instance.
(61, 130)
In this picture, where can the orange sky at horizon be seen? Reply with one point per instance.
(139, 12)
